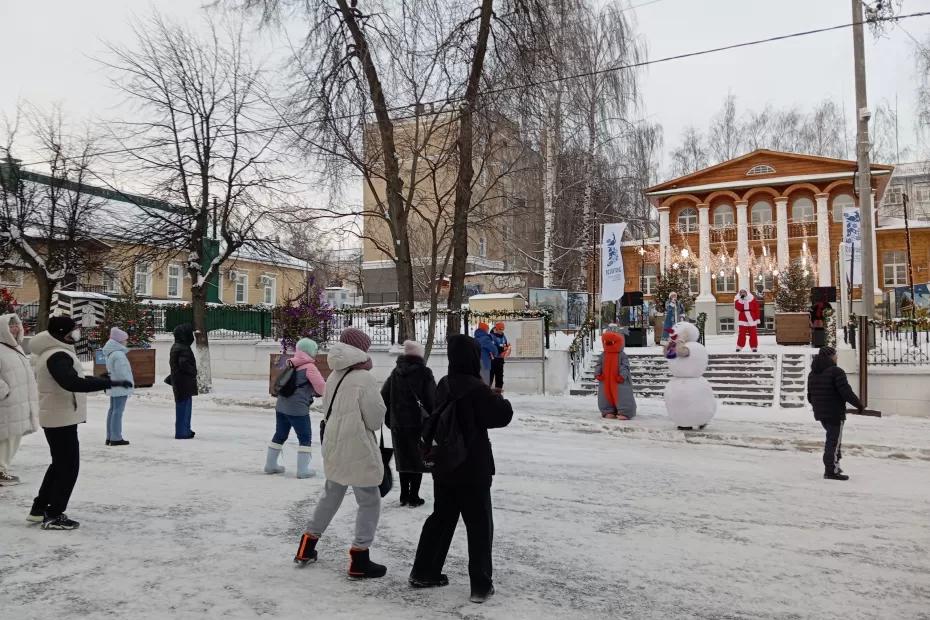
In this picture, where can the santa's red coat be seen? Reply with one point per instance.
(747, 311)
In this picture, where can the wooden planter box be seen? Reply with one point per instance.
(142, 362)
(792, 328)
(276, 365)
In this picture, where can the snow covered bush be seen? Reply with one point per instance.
(793, 289)
(129, 315)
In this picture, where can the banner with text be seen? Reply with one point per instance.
(852, 263)
(852, 225)
(612, 276)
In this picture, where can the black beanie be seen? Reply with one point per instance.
(60, 326)
(827, 351)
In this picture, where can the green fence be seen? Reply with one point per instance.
(229, 321)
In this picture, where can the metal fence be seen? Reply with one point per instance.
(223, 322)
(579, 349)
(895, 343)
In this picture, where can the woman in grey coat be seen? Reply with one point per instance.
(615, 397)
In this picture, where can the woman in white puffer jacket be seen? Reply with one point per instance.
(19, 398)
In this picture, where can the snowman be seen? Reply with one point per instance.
(689, 398)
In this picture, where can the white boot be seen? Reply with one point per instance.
(271, 462)
(303, 462)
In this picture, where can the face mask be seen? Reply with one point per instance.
(75, 335)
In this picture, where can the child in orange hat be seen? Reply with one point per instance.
(488, 350)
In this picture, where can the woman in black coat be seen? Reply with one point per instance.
(466, 490)
(410, 385)
(183, 379)
(828, 391)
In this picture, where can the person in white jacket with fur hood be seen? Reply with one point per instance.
(19, 397)
(355, 413)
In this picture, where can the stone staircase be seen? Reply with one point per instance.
(793, 380)
(736, 378)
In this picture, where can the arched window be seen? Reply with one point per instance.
(760, 169)
(761, 213)
(802, 210)
(843, 201)
(723, 216)
(688, 220)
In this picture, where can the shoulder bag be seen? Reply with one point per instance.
(329, 411)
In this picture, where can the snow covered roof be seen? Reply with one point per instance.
(83, 295)
(912, 169)
(897, 223)
(495, 296)
(798, 178)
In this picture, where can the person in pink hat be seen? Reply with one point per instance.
(119, 370)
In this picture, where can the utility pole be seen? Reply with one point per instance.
(862, 150)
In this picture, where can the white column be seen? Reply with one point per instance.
(781, 232)
(742, 244)
(704, 252)
(877, 275)
(824, 268)
(664, 238)
(706, 302)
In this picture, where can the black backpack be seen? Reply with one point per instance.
(442, 443)
(286, 384)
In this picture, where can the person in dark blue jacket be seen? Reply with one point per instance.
(497, 364)
(488, 350)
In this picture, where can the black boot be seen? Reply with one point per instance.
(404, 489)
(482, 596)
(361, 566)
(413, 498)
(306, 552)
(829, 475)
(428, 582)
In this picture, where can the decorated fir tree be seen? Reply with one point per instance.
(305, 316)
(134, 318)
(673, 280)
(793, 289)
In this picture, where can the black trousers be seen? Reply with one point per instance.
(410, 485)
(62, 474)
(833, 446)
(497, 372)
(473, 503)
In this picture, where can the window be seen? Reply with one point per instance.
(11, 277)
(760, 169)
(726, 325)
(894, 195)
(723, 216)
(142, 280)
(110, 281)
(650, 277)
(764, 280)
(174, 281)
(761, 214)
(269, 293)
(894, 266)
(694, 280)
(688, 220)
(802, 210)
(482, 247)
(843, 201)
(769, 322)
(726, 283)
(241, 287)
(922, 193)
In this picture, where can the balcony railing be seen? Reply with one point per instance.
(766, 232)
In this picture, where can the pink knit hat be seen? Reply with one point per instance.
(118, 335)
(355, 338)
(414, 349)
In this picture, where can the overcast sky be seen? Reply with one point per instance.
(47, 48)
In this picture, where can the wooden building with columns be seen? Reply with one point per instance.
(735, 225)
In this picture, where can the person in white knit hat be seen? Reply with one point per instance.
(409, 395)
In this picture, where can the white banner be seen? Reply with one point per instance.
(852, 226)
(848, 261)
(612, 276)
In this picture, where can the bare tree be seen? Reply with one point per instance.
(691, 155)
(200, 142)
(726, 133)
(48, 221)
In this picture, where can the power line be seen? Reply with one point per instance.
(533, 84)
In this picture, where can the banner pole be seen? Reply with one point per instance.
(600, 280)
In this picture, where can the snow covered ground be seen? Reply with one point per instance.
(594, 519)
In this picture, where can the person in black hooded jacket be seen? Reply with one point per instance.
(828, 391)
(183, 379)
(467, 490)
(410, 385)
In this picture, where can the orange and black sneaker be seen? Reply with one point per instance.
(306, 552)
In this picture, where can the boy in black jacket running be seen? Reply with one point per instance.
(828, 391)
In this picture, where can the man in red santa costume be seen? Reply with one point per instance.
(747, 318)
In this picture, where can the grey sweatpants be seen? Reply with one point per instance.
(366, 519)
